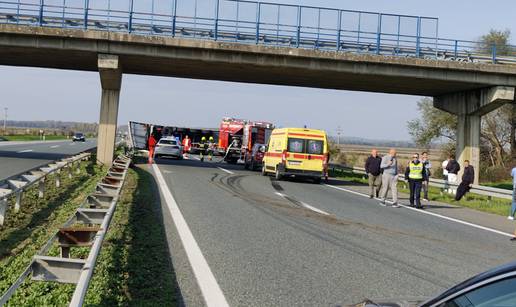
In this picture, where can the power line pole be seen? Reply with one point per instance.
(339, 131)
(5, 120)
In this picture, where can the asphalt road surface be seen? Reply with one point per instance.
(18, 157)
(294, 243)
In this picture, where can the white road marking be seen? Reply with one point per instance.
(71, 144)
(225, 170)
(55, 146)
(210, 289)
(26, 150)
(196, 158)
(307, 206)
(432, 214)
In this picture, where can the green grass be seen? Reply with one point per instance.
(27, 231)
(22, 138)
(508, 185)
(473, 201)
(133, 268)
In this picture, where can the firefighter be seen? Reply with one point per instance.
(152, 146)
(211, 147)
(187, 143)
(202, 148)
(415, 173)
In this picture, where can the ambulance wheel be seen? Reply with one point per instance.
(246, 165)
(317, 180)
(278, 175)
(264, 173)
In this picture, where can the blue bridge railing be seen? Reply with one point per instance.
(264, 23)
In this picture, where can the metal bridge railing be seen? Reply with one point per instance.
(262, 23)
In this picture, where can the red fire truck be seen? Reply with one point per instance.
(237, 137)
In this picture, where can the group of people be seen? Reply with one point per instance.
(383, 173)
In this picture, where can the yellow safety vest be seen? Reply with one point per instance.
(416, 171)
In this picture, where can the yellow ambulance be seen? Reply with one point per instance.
(297, 152)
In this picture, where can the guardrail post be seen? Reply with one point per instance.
(217, 4)
(493, 53)
(339, 29)
(70, 171)
(58, 178)
(41, 188)
(130, 23)
(298, 38)
(86, 8)
(3, 209)
(41, 5)
(258, 9)
(379, 34)
(18, 202)
(78, 167)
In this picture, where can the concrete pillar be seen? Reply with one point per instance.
(469, 108)
(111, 81)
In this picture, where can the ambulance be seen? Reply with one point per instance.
(297, 152)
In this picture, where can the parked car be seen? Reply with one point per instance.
(494, 288)
(168, 147)
(254, 160)
(79, 137)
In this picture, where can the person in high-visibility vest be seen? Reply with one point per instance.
(415, 173)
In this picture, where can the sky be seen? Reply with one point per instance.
(45, 94)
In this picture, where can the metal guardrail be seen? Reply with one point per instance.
(440, 183)
(86, 228)
(17, 185)
(263, 23)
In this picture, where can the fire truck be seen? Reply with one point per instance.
(237, 137)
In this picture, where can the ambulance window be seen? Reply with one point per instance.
(315, 147)
(296, 145)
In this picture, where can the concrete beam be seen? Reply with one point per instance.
(111, 82)
(469, 107)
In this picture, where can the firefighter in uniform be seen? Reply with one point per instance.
(415, 173)
(202, 148)
(211, 148)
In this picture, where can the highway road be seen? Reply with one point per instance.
(239, 238)
(17, 157)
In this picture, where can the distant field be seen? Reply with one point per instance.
(21, 138)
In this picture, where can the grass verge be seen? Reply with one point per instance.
(134, 267)
(22, 138)
(473, 201)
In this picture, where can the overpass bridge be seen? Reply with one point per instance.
(264, 43)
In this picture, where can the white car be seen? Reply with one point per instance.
(168, 147)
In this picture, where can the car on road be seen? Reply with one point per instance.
(254, 160)
(494, 288)
(79, 137)
(297, 152)
(168, 147)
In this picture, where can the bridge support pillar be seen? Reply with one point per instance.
(111, 81)
(469, 107)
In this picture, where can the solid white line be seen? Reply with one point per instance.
(26, 150)
(210, 289)
(55, 146)
(225, 170)
(307, 206)
(433, 214)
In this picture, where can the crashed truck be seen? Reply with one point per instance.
(139, 134)
(237, 137)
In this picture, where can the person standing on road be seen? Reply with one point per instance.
(467, 180)
(374, 173)
(426, 180)
(445, 174)
(389, 167)
(453, 169)
(415, 173)
(202, 148)
(187, 143)
(211, 148)
(152, 146)
(513, 207)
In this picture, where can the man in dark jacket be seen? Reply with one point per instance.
(453, 169)
(467, 180)
(415, 174)
(374, 173)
